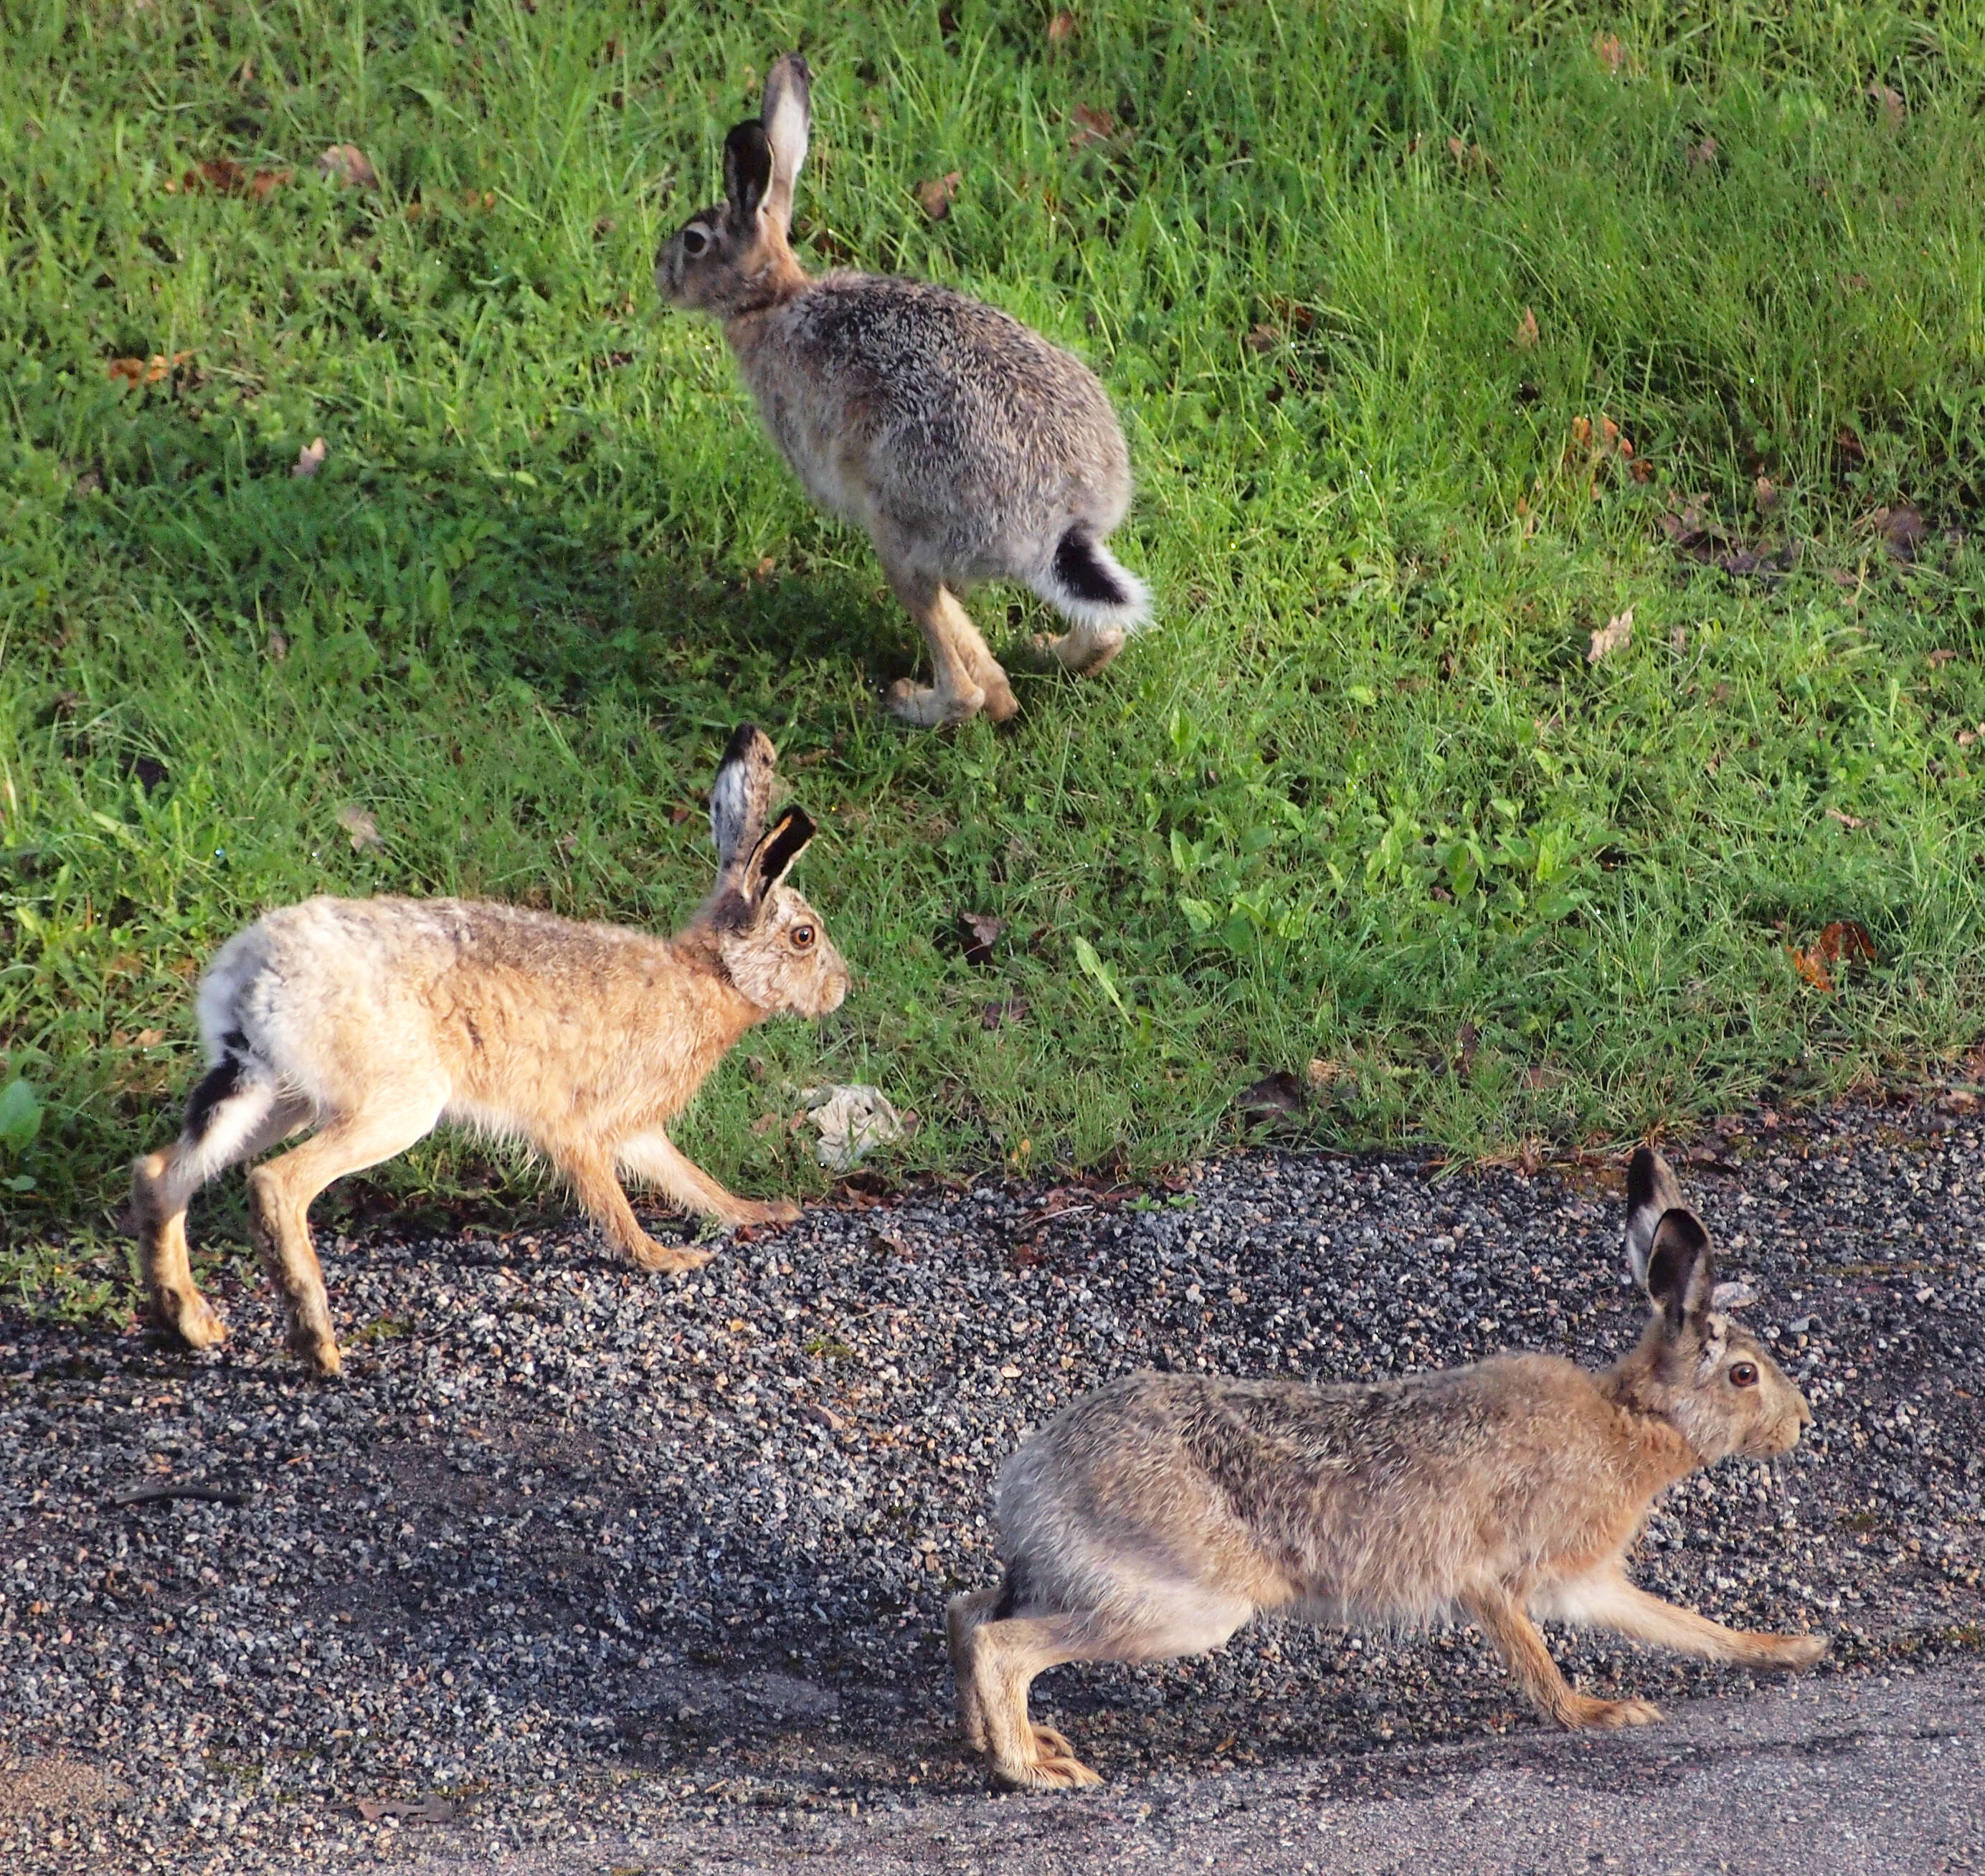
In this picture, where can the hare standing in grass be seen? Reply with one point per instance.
(1156, 1516)
(967, 446)
(374, 1020)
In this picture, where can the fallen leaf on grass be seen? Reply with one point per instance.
(935, 196)
(1843, 939)
(1092, 127)
(1061, 28)
(998, 1015)
(1889, 100)
(1849, 821)
(1612, 54)
(309, 459)
(225, 177)
(1702, 155)
(977, 932)
(363, 830)
(1526, 330)
(1271, 1097)
(147, 370)
(347, 163)
(1470, 157)
(1320, 1074)
(1903, 530)
(1941, 656)
(1764, 493)
(1616, 634)
(852, 1120)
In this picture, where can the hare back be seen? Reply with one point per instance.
(1367, 1503)
(942, 424)
(517, 1021)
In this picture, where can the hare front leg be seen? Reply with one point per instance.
(1610, 1601)
(969, 677)
(653, 1157)
(1504, 1621)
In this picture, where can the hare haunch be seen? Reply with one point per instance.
(1154, 1518)
(967, 446)
(374, 1020)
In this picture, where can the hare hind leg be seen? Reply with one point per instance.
(281, 1192)
(1083, 649)
(968, 678)
(1610, 1601)
(1504, 1621)
(997, 1661)
(228, 1119)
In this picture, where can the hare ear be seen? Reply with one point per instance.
(747, 174)
(1681, 1267)
(739, 798)
(786, 114)
(772, 858)
(1650, 1191)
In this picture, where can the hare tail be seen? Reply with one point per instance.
(1087, 583)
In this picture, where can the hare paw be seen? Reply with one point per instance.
(1001, 705)
(1053, 1767)
(193, 1319)
(651, 1255)
(926, 706)
(1584, 1711)
(1793, 1651)
(1081, 649)
(320, 1351)
(771, 1212)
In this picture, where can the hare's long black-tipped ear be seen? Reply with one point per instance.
(772, 858)
(1650, 1191)
(1681, 1267)
(747, 175)
(739, 798)
(787, 115)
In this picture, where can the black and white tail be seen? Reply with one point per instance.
(1086, 583)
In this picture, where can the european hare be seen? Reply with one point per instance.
(1156, 1516)
(967, 446)
(374, 1020)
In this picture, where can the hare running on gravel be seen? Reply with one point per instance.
(1154, 1518)
(967, 446)
(374, 1020)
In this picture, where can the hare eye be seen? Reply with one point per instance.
(694, 241)
(802, 937)
(1744, 1374)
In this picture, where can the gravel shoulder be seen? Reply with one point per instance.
(580, 1569)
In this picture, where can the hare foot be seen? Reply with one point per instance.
(651, 1255)
(192, 1318)
(1583, 1710)
(1083, 649)
(926, 706)
(1052, 1766)
(1790, 1652)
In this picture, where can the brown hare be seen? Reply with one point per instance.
(1156, 1516)
(371, 1021)
(967, 446)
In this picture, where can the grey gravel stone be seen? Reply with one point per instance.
(579, 1555)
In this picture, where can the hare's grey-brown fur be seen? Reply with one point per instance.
(1158, 1515)
(967, 446)
(371, 1021)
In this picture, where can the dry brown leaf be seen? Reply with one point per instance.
(1844, 938)
(1849, 821)
(935, 196)
(346, 162)
(1092, 126)
(1008, 1010)
(1889, 100)
(977, 932)
(1612, 54)
(1264, 338)
(147, 370)
(1616, 634)
(264, 182)
(1703, 155)
(1061, 28)
(1526, 330)
(1321, 1073)
(360, 826)
(1764, 491)
(309, 459)
(1942, 656)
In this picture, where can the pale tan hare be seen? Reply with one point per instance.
(1155, 1517)
(374, 1020)
(967, 446)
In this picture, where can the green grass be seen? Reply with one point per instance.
(1360, 799)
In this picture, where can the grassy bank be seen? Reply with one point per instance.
(1379, 292)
